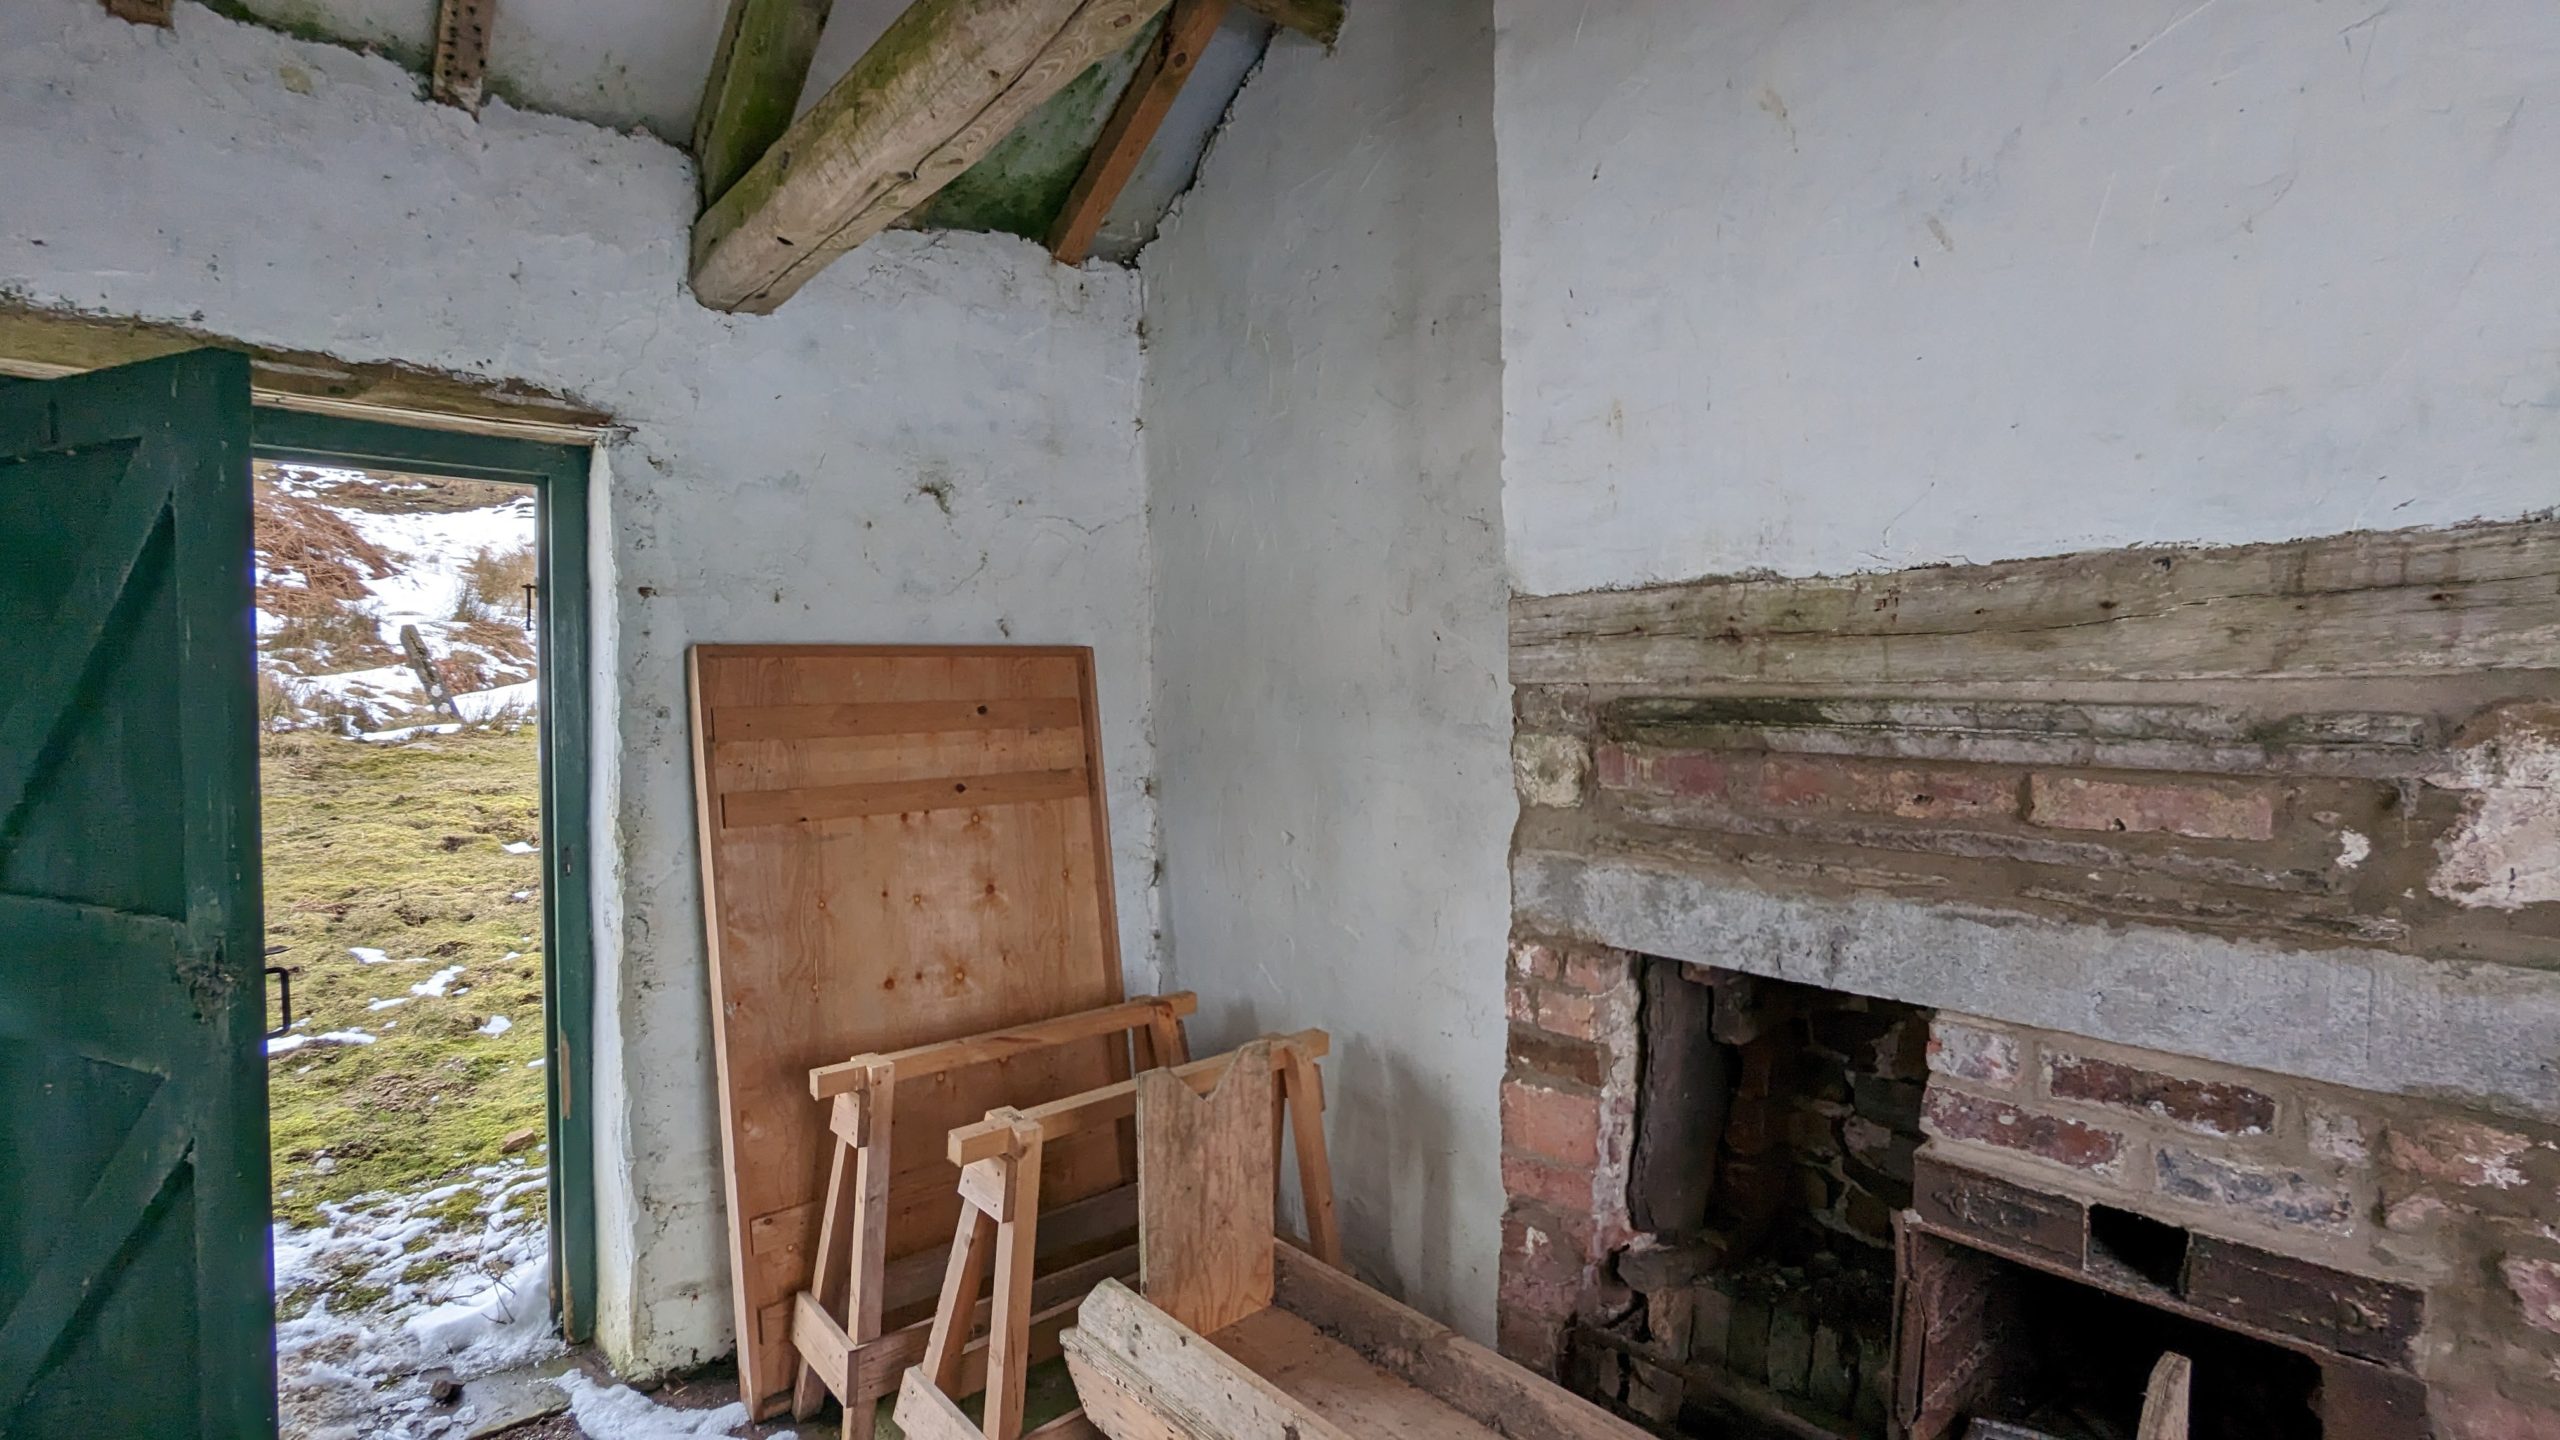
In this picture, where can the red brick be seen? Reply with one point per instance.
(2536, 1284)
(1987, 1057)
(1567, 1013)
(1546, 1257)
(1520, 1001)
(1956, 1115)
(2462, 1153)
(1598, 970)
(1538, 1052)
(1810, 783)
(2274, 1194)
(2214, 1108)
(1560, 1186)
(1551, 1125)
(2442, 1164)
(2191, 808)
(1535, 959)
(1533, 1342)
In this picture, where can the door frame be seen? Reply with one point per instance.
(559, 475)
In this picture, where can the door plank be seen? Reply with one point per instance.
(114, 1207)
(76, 627)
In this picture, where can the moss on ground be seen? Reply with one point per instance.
(400, 848)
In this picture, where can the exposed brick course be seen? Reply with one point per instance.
(2464, 1154)
(2193, 808)
(2214, 1108)
(1811, 783)
(1597, 970)
(1558, 1126)
(1545, 1053)
(1563, 1187)
(1568, 1013)
(1957, 1115)
(2274, 1194)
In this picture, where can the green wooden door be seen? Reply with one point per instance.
(134, 1257)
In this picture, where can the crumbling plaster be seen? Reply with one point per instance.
(937, 441)
(1821, 287)
(1322, 420)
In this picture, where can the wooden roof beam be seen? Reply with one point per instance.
(754, 89)
(944, 83)
(461, 74)
(1318, 20)
(1133, 126)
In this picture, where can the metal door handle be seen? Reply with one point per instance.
(284, 981)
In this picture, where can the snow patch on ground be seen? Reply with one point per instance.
(438, 983)
(520, 698)
(390, 1285)
(287, 1044)
(618, 1412)
(497, 1025)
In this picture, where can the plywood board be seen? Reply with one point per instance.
(900, 845)
(1205, 1165)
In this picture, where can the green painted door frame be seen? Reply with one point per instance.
(558, 474)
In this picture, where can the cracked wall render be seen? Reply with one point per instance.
(1321, 414)
(777, 481)
(1823, 287)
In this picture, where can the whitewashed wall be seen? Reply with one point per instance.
(1333, 719)
(777, 481)
(1835, 285)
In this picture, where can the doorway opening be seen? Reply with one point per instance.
(420, 642)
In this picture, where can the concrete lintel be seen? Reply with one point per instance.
(2482, 1035)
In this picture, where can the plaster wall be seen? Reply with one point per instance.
(1823, 287)
(937, 441)
(1321, 410)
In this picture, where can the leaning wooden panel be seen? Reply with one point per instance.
(843, 928)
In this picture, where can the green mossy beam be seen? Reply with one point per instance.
(756, 77)
(944, 83)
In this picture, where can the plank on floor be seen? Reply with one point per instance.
(1331, 1379)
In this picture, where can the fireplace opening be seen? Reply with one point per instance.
(1796, 1258)
(2002, 1349)
(1775, 1129)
